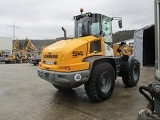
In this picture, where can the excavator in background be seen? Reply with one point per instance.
(16, 56)
(30, 50)
(90, 59)
(24, 56)
(21, 56)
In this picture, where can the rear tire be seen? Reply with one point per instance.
(101, 82)
(132, 78)
(62, 88)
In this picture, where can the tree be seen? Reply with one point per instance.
(123, 35)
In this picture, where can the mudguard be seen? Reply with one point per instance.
(114, 61)
(125, 65)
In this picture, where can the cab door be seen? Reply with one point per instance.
(107, 35)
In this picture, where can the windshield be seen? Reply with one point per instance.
(86, 25)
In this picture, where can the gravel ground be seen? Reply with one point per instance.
(25, 96)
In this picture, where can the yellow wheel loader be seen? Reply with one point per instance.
(90, 59)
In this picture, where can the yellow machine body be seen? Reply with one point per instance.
(67, 55)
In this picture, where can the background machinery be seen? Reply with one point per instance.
(28, 52)
(16, 56)
(1, 53)
(90, 59)
(2, 58)
(37, 58)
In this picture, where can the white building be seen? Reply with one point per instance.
(6, 43)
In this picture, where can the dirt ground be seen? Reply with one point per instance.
(25, 96)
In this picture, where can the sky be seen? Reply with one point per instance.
(43, 19)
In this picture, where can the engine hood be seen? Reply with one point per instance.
(66, 53)
(69, 44)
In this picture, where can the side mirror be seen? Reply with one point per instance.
(120, 23)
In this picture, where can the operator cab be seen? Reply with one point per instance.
(94, 24)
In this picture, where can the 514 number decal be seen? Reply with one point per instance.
(77, 53)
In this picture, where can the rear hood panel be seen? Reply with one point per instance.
(65, 53)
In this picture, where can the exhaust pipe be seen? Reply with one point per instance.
(65, 35)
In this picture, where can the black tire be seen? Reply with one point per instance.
(18, 61)
(62, 88)
(132, 77)
(7, 62)
(101, 82)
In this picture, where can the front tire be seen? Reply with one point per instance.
(131, 79)
(101, 83)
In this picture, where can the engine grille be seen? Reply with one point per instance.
(50, 56)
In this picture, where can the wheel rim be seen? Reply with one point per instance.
(105, 82)
(135, 73)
